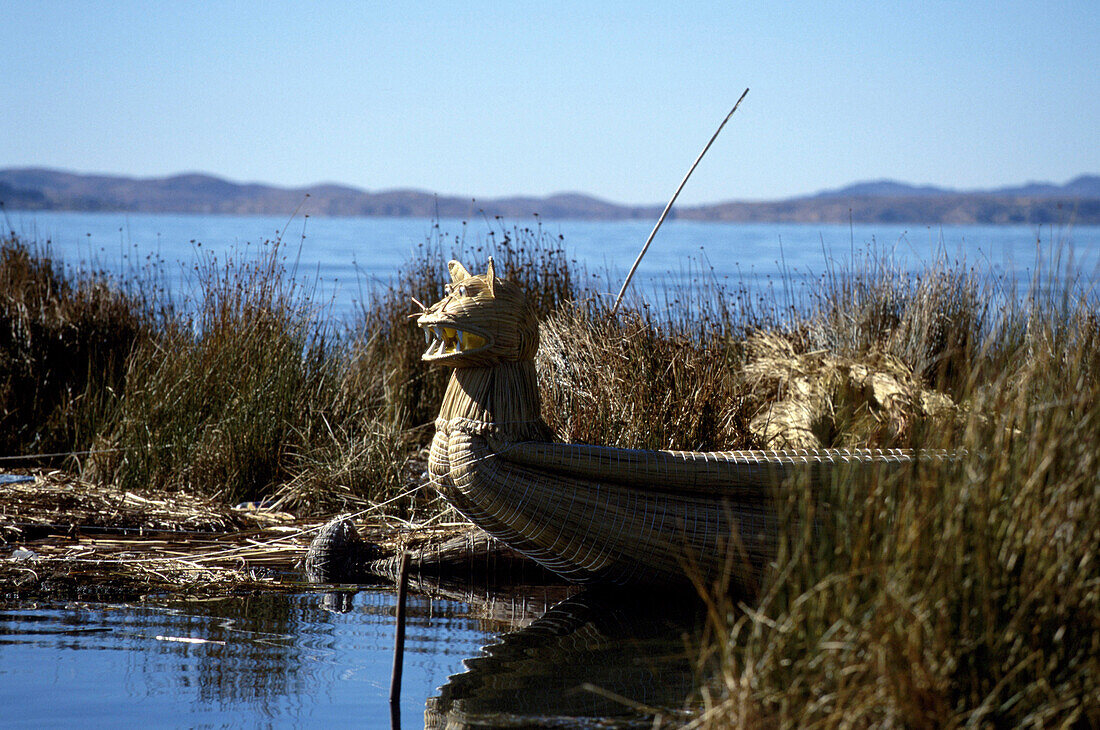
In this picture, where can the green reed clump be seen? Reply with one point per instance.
(252, 395)
(64, 346)
(242, 393)
(217, 400)
(957, 593)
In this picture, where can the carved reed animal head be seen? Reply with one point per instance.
(482, 320)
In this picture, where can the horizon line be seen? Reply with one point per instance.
(931, 188)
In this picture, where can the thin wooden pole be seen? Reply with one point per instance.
(668, 207)
(399, 643)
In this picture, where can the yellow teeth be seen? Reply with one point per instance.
(443, 341)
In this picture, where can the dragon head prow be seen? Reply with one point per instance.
(482, 320)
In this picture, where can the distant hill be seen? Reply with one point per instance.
(1085, 186)
(880, 201)
(882, 189)
(42, 189)
(1076, 202)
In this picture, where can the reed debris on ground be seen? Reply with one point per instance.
(54, 501)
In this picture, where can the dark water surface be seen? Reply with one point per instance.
(312, 660)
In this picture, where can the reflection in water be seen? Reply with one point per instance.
(239, 661)
(251, 651)
(310, 660)
(629, 645)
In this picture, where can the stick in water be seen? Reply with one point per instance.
(399, 643)
(668, 207)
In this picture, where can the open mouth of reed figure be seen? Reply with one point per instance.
(446, 340)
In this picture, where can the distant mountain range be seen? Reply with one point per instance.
(881, 201)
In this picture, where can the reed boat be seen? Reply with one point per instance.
(592, 514)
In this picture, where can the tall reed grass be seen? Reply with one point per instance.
(957, 594)
(238, 394)
(248, 392)
(64, 349)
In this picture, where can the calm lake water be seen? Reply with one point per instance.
(340, 259)
(247, 662)
(312, 660)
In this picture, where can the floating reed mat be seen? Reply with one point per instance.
(128, 567)
(57, 502)
(63, 537)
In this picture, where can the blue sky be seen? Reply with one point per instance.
(613, 99)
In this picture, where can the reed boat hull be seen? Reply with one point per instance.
(600, 515)
(596, 531)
